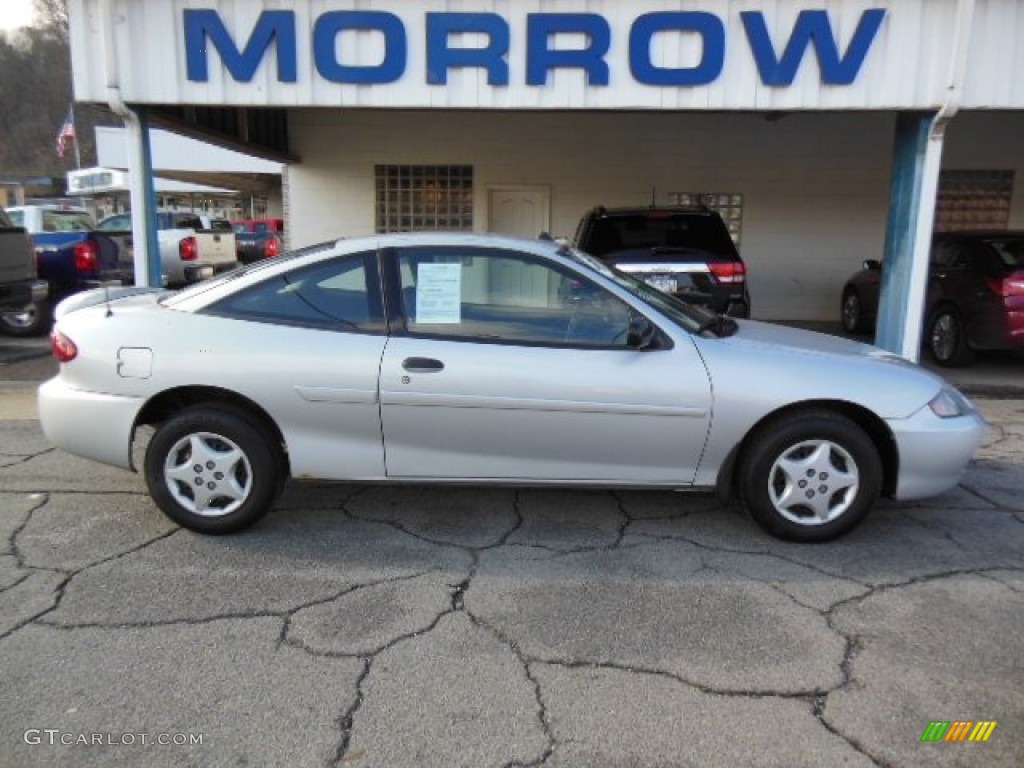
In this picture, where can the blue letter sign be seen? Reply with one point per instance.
(812, 28)
(205, 32)
(707, 25)
(441, 58)
(203, 26)
(325, 35)
(539, 58)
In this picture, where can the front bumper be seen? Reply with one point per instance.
(93, 425)
(934, 452)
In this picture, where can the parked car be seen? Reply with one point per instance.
(686, 252)
(192, 246)
(258, 239)
(455, 358)
(70, 256)
(20, 287)
(974, 301)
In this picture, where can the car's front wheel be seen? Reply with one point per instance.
(212, 470)
(810, 476)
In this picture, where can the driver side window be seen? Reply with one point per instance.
(503, 296)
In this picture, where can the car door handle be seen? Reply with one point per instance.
(422, 365)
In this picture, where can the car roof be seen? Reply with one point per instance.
(199, 295)
(660, 210)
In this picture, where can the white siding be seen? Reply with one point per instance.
(906, 66)
(815, 187)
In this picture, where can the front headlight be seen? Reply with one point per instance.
(949, 404)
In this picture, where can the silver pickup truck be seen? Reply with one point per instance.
(193, 247)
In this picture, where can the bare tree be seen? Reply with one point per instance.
(36, 95)
(52, 15)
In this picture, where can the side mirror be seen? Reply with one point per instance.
(872, 265)
(641, 334)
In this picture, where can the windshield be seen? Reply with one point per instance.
(67, 221)
(249, 269)
(17, 218)
(687, 316)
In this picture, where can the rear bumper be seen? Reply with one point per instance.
(17, 296)
(205, 270)
(934, 452)
(93, 425)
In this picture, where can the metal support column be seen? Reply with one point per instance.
(148, 269)
(917, 158)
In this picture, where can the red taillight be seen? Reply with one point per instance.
(272, 247)
(187, 249)
(63, 348)
(85, 256)
(1011, 285)
(728, 271)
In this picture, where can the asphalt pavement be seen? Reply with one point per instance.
(391, 627)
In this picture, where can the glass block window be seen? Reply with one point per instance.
(973, 200)
(424, 197)
(729, 206)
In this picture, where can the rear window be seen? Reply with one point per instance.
(67, 221)
(647, 231)
(1009, 250)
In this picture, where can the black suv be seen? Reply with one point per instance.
(686, 252)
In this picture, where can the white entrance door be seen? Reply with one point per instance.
(519, 211)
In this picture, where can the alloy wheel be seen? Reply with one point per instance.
(813, 482)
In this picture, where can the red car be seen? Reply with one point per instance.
(975, 298)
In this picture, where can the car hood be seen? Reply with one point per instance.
(800, 340)
(786, 365)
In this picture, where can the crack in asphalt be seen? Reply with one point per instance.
(22, 458)
(68, 574)
(22, 580)
(1000, 582)
(986, 499)
(854, 643)
(816, 698)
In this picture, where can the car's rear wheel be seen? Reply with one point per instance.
(853, 313)
(947, 339)
(33, 320)
(212, 470)
(810, 476)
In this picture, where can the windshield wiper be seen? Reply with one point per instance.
(720, 325)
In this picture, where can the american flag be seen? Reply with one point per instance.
(67, 134)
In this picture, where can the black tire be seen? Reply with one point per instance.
(844, 480)
(947, 338)
(851, 311)
(34, 320)
(246, 475)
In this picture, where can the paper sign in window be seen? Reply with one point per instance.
(439, 293)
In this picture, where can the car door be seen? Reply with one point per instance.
(307, 345)
(507, 366)
(953, 280)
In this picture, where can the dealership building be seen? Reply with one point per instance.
(826, 132)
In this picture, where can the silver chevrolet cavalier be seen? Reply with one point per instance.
(446, 358)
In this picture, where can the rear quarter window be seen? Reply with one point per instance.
(340, 295)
